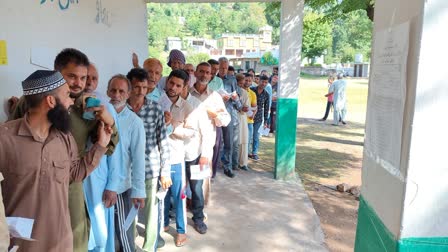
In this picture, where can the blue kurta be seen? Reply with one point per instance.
(102, 228)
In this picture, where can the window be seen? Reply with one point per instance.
(247, 64)
(230, 52)
(230, 42)
(242, 42)
(239, 53)
(198, 43)
(256, 43)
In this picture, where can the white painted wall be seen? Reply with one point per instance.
(28, 25)
(426, 204)
(383, 191)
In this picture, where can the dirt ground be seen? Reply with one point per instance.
(323, 163)
(327, 156)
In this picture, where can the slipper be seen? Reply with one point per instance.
(181, 239)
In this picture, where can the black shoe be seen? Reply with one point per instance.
(160, 242)
(244, 167)
(200, 227)
(322, 120)
(343, 122)
(229, 173)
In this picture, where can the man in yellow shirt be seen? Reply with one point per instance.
(253, 105)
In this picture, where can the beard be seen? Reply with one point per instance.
(75, 95)
(202, 81)
(118, 105)
(59, 117)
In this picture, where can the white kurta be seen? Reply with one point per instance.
(339, 100)
(244, 131)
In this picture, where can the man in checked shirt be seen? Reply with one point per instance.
(157, 164)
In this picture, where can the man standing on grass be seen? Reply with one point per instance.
(339, 100)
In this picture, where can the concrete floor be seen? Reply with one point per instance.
(254, 212)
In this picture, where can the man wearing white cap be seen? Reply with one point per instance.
(39, 159)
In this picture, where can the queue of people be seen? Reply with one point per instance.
(77, 161)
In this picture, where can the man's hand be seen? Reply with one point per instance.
(135, 60)
(266, 125)
(212, 114)
(135, 202)
(234, 96)
(225, 98)
(102, 114)
(202, 162)
(165, 182)
(167, 117)
(109, 198)
(245, 109)
(104, 133)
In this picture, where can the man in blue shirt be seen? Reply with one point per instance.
(131, 173)
(233, 105)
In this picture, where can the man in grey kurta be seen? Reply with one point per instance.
(339, 99)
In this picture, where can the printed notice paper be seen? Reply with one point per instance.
(387, 96)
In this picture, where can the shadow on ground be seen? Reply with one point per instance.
(254, 212)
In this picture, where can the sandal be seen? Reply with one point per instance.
(181, 239)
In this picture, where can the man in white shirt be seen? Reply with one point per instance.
(182, 130)
(211, 101)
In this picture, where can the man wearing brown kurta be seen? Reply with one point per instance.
(39, 159)
(73, 65)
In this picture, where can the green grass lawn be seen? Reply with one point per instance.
(312, 101)
(326, 153)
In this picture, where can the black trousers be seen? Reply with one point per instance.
(327, 110)
(197, 195)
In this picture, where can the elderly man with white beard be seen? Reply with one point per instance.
(131, 190)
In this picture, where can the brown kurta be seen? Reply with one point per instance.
(37, 175)
(81, 130)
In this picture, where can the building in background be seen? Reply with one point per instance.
(235, 45)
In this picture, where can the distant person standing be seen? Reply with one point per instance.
(337, 89)
(273, 108)
(329, 99)
(261, 117)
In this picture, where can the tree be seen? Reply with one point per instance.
(316, 35)
(197, 58)
(269, 59)
(333, 9)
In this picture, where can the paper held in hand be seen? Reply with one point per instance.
(197, 174)
(264, 131)
(131, 217)
(251, 111)
(165, 103)
(20, 227)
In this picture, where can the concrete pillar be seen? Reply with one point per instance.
(403, 204)
(289, 74)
